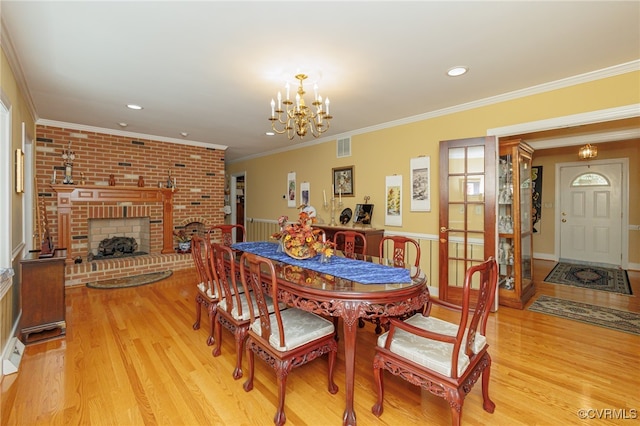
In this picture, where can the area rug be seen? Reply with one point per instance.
(133, 281)
(628, 322)
(591, 277)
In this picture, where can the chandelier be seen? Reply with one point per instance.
(588, 151)
(297, 118)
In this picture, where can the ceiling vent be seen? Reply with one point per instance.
(343, 148)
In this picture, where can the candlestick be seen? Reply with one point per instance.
(324, 193)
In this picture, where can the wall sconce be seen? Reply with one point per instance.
(587, 152)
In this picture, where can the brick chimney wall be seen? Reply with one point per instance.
(198, 171)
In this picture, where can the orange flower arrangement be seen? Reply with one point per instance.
(300, 240)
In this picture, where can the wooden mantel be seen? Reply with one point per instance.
(68, 194)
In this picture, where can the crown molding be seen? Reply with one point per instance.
(609, 114)
(133, 135)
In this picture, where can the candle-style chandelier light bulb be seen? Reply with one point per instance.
(296, 117)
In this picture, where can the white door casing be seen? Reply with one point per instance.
(590, 214)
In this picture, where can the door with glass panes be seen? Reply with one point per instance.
(467, 234)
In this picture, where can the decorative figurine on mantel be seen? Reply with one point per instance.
(170, 182)
(68, 156)
(140, 181)
(112, 180)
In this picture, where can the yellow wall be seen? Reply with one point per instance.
(388, 151)
(19, 114)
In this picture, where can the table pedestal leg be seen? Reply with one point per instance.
(350, 326)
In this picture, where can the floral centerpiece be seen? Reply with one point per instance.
(301, 240)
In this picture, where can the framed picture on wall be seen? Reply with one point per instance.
(19, 171)
(343, 181)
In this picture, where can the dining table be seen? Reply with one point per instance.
(350, 288)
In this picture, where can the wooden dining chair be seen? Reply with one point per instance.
(284, 338)
(443, 358)
(227, 233)
(350, 242)
(399, 250)
(207, 295)
(234, 308)
(399, 254)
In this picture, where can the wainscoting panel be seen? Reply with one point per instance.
(6, 308)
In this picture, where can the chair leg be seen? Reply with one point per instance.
(217, 333)
(281, 373)
(378, 377)
(240, 336)
(196, 325)
(455, 398)
(333, 388)
(488, 405)
(212, 320)
(248, 384)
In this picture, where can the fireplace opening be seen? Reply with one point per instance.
(118, 237)
(118, 247)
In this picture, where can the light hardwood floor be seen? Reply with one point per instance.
(130, 357)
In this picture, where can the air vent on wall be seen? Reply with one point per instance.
(343, 147)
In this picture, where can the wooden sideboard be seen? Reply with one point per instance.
(42, 294)
(372, 235)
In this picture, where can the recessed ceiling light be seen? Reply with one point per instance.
(122, 124)
(134, 106)
(456, 71)
(270, 133)
(184, 134)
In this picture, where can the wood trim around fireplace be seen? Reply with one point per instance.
(68, 194)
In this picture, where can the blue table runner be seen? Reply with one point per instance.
(349, 269)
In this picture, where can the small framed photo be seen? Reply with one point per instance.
(343, 183)
(363, 213)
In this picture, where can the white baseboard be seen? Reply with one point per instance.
(545, 256)
(13, 357)
(634, 267)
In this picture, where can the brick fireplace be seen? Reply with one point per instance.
(80, 205)
(199, 196)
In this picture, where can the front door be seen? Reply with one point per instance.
(467, 210)
(591, 213)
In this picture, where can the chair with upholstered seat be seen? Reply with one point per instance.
(285, 338)
(442, 357)
(350, 242)
(228, 233)
(400, 249)
(206, 296)
(234, 308)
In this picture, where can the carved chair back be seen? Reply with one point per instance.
(400, 249)
(350, 242)
(227, 233)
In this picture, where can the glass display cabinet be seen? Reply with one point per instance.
(515, 239)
